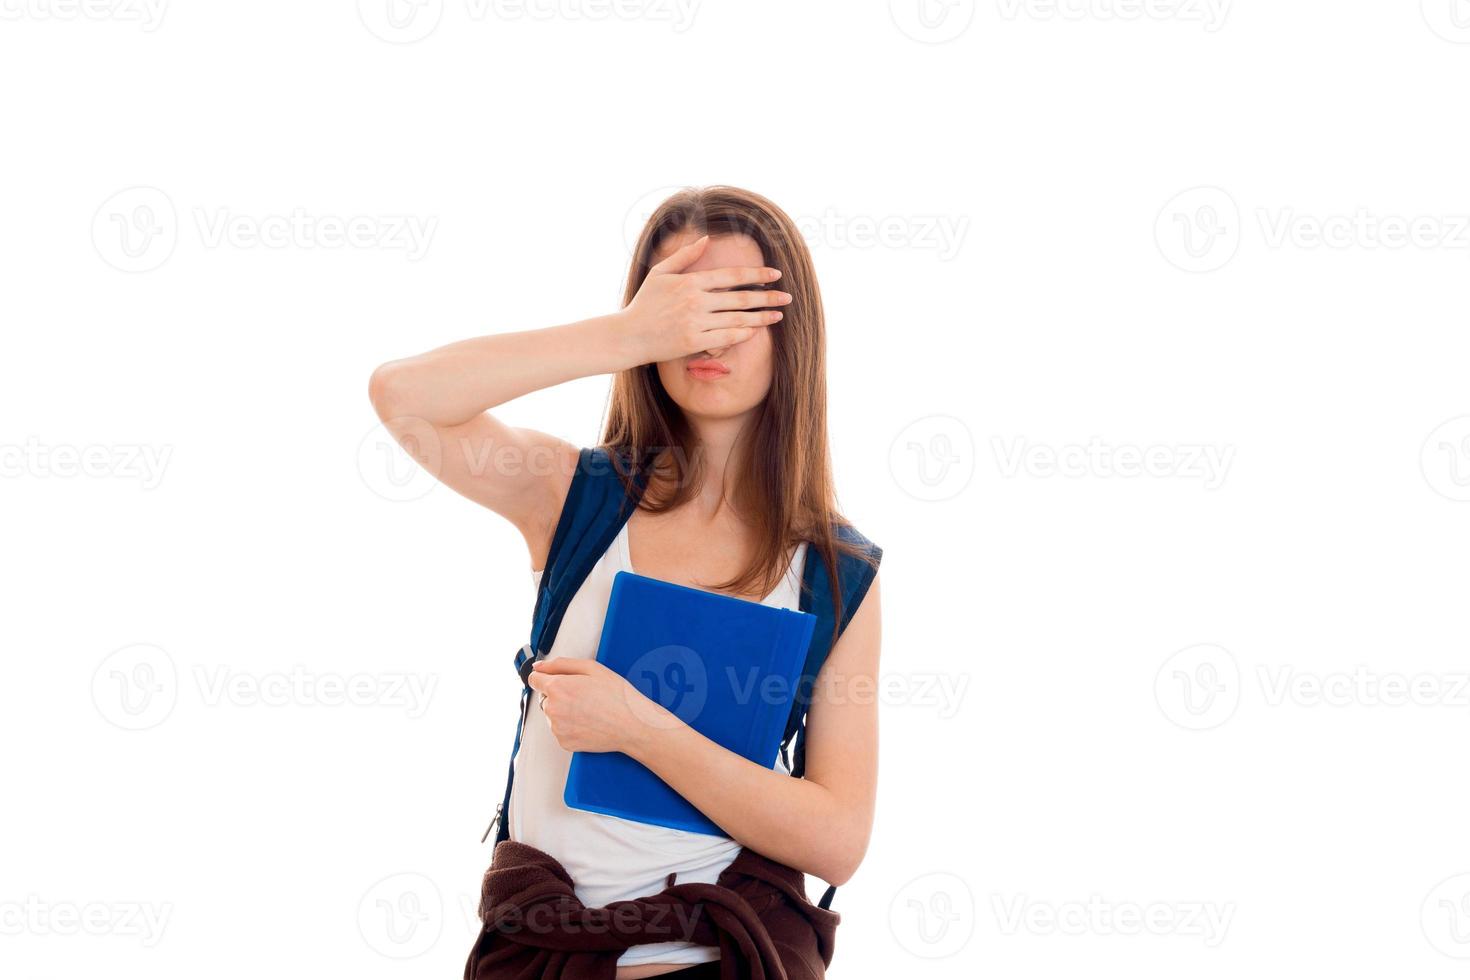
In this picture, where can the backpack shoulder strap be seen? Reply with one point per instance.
(855, 573)
(598, 504)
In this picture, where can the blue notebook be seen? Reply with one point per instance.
(727, 667)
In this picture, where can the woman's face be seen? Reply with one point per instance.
(724, 382)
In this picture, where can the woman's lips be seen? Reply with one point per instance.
(708, 370)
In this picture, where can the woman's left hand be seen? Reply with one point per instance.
(592, 709)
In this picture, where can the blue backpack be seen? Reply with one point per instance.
(598, 504)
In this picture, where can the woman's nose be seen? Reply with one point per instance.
(715, 351)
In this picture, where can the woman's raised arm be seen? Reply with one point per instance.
(437, 405)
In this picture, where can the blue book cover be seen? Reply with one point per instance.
(727, 667)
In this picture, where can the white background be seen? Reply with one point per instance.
(1083, 235)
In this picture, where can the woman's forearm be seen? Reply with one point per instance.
(794, 821)
(453, 384)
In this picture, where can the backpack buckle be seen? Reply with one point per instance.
(528, 660)
(494, 822)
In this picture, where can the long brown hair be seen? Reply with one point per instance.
(783, 474)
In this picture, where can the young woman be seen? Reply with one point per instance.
(719, 401)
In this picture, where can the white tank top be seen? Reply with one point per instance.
(611, 859)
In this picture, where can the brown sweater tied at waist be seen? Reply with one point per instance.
(757, 914)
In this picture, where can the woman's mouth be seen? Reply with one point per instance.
(707, 369)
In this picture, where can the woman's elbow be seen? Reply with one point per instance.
(385, 390)
(842, 862)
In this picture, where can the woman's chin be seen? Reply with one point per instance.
(713, 406)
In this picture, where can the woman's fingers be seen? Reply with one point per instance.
(682, 258)
(727, 337)
(749, 299)
(740, 275)
(728, 321)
